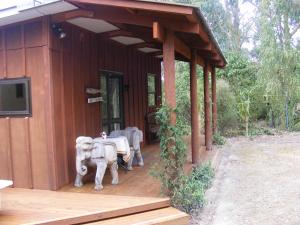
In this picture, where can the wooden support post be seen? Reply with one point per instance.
(214, 99)
(208, 133)
(195, 139)
(169, 71)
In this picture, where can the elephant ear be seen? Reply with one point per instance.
(98, 151)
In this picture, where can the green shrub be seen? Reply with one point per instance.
(218, 139)
(190, 194)
(186, 192)
(227, 108)
(204, 174)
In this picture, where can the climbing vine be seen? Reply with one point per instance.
(172, 151)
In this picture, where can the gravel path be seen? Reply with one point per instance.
(258, 183)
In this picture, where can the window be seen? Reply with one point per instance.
(151, 90)
(15, 97)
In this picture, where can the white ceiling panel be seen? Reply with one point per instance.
(127, 40)
(149, 50)
(94, 25)
(56, 7)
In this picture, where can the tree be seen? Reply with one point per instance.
(279, 58)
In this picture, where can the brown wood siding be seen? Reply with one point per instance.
(76, 62)
(23, 149)
(38, 152)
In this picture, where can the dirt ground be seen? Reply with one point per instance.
(257, 183)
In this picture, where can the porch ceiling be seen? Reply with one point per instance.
(132, 23)
(94, 25)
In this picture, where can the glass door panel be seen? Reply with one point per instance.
(112, 105)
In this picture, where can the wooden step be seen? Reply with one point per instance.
(25, 206)
(165, 216)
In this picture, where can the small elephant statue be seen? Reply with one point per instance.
(134, 137)
(92, 153)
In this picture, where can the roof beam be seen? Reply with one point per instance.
(204, 46)
(180, 46)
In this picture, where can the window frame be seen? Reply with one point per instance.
(152, 92)
(23, 113)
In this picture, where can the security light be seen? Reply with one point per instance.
(58, 30)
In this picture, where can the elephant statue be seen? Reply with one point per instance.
(134, 137)
(93, 153)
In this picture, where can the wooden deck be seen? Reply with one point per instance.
(137, 182)
(25, 206)
(134, 200)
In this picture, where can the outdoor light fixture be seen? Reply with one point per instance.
(57, 29)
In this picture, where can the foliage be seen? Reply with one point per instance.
(255, 131)
(279, 59)
(218, 139)
(183, 95)
(172, 152)
(186, 191)
(265, 79)
(204, 174)
(189, 195)
(226, 105)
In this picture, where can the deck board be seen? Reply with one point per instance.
(165, 216)
(25, 206)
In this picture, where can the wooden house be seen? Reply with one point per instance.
(54, 56)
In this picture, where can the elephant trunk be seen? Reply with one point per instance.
(80, 167)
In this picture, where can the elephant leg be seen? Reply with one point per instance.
(78, 180)
(129, 164)
(139, 157)
(114, 172)
(101, 167)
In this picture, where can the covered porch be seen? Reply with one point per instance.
(132, 38)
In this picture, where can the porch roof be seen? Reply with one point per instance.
(141, 24)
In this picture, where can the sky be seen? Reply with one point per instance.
(7, 3)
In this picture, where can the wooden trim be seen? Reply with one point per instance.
(10, 158)
(208, 136)
(139, 5)
(28, 149)
(195, 137)
(48, 107)
(158, 32)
